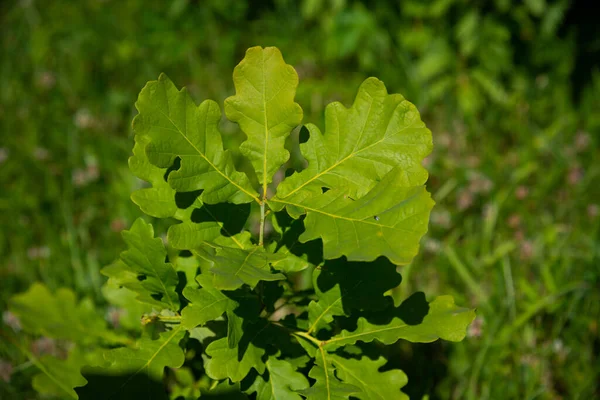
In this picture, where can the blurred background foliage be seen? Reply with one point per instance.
(510, 89)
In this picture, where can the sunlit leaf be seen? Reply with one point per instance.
(326, 385)
(264, 108)
(178, 128)
(233, 363)
(281, 384)
(364, 374)
(388, 221)
(362, 144)
(143, 268)
(444, 321)
(234, 267)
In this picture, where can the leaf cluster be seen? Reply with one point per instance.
(228, 289)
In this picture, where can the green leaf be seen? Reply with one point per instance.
(59, 316)
(143, 268)
(444, 321)
(129, 309)
(342, 287)
(264, 108)
(207, 224)
(327, 386)
(206, 304)
(148, 356)
(59, 377)
(233, 363)
(390, 220)
(282, 382)
(178, 128)
(322, 311)
(235, 329)
(364, 373)
(158, 200)
(362, 144)
(234, 267)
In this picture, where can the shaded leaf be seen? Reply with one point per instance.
(59, 377)
(60, 316)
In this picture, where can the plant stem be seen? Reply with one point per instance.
(308, 337)
(262, 223)
(170, 318)
(301, 334)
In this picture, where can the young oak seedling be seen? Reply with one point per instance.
(355, 212)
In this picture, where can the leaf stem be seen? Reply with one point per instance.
(301, 334)
(308, 337)
(170, 318)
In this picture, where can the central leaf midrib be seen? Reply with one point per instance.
(149, 361)
(264, 96)
(341, 217)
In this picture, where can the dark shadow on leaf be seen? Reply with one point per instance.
(185, 254)
(184, 200)
(157, 296)
(233, 216)
(312, 250)
(181, 284)
(362, 283)
(121, 387)
(271, 292)
(304, 135)
(234, 394)
(413, 309)
(176, 165)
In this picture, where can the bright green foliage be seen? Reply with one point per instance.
(364, 373)
(234, 267)
(143, 268)
(264, 108)
(443, 321)
(327, 386)
(225, 363)
(283, 382)
(389, 220)
(206, 304)
(356, 212)
(362, 144)
(178, 128)
(158, 200)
